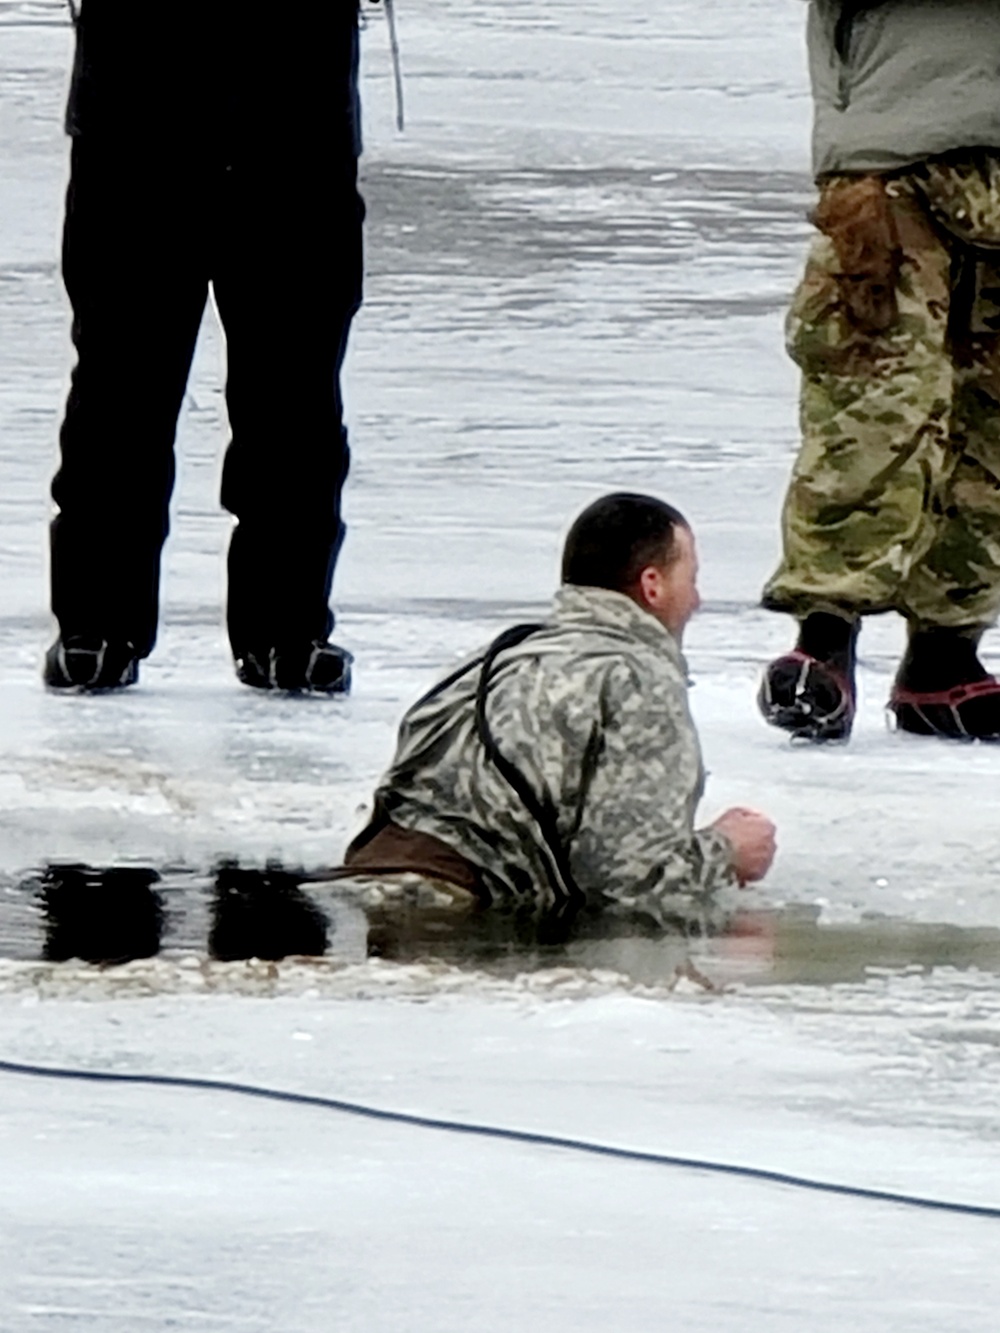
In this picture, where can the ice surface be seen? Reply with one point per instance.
(139, 1207)
(578, 257)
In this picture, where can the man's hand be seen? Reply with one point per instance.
(752, 837)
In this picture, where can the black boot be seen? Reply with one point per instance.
(311, 668)
(87, 666)
(810, 691)
(943, 689)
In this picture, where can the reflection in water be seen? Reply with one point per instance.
(487, 936)
(119, 913)
(264, 914)
(786, 945)
(789, 945)
(114, 914)
(100, 916)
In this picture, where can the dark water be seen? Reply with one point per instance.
(785, 945)
(112, 914)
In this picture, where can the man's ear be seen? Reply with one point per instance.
(649, 586)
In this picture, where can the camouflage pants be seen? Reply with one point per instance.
(894, 501)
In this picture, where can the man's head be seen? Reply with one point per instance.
(639, 546)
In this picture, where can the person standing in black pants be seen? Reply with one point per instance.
(208, 149)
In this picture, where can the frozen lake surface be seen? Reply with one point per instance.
(578, 258)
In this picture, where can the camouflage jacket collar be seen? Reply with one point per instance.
(599, 608)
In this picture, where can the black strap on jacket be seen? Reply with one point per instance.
(557, 866)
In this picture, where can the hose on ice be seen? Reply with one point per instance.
(500, 1132)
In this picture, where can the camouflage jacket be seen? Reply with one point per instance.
(592, 711)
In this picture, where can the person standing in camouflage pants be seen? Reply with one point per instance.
(894, 501)
(559, 768)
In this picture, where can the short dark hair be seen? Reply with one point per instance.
(616, 537)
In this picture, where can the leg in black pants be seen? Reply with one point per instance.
(287, 281)
(137, 279)
(282, 246)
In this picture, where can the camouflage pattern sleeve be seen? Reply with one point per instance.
(636, 842)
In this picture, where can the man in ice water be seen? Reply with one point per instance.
(561, 765)
(212, 145)
(894, 502)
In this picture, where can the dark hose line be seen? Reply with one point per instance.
(500, 1132)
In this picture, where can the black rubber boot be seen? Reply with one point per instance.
(312, 668)
(943, 689)
(89, 666)
(810, 691)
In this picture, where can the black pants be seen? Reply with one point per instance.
(277, 233)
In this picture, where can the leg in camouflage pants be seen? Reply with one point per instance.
(894, 502)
